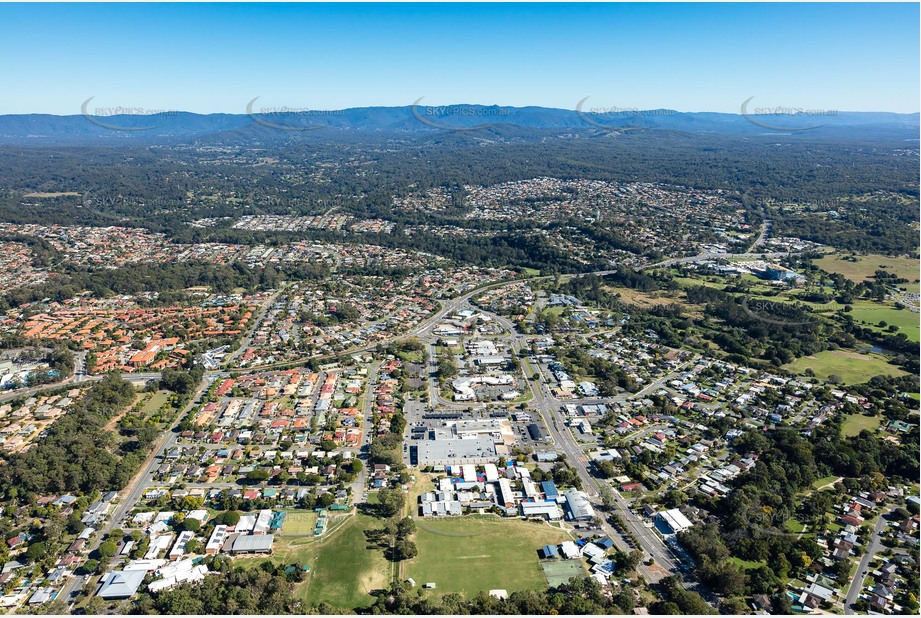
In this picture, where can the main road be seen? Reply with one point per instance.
(649, 542)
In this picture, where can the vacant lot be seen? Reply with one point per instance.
(851, 367)
(155, 402)
(855, 423)
(467, 555)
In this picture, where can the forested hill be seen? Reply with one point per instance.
(91, 125)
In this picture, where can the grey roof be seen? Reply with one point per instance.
(578, 505)
(121, 584)
(256, 542)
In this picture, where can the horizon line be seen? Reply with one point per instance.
(594, 111)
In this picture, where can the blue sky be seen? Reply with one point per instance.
(690, 57)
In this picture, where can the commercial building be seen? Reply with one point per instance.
(578, 508)
(547, 510)
(674, 520)
(537, 434)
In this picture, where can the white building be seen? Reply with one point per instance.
(674, 519)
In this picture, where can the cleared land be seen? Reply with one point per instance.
(866, 265)
(855, 423)
(851, 367)
(468, 555)
(155, 402)
(48, 195)
(825, 480)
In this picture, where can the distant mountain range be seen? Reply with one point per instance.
(422, 120)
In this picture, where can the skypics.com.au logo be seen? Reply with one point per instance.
(594, 116)
(275, 117)
(108, 112)
(438, 117)
(785, 314)
(772, 118)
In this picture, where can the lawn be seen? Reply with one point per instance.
(851, 367)
(855, 423)
(747, 564)
(794, 525)
(530, 272)
(343, 571)
(467, 555)
(412, 356)
(558, 310)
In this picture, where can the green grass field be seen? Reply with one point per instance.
(872, 314)
(299, 522)
(155, 402)
(467, 555)
(343, 571)
(825, 480)
(558, 310)
(851, 367)
(794, 525)
(855, 423)
(747, 564)
(414, 356)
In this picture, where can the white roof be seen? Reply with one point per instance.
(676, 520)
(144, 565)
(246, 523)
(199, 514)
(121, 584)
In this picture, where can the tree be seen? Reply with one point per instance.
(406, 527)
(781, 604)
(404, 550)
(230, 518)
(108, 549)
(36, 551)
(391, 501)
(190, 524)
(258, 475)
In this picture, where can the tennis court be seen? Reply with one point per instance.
(560, 571)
